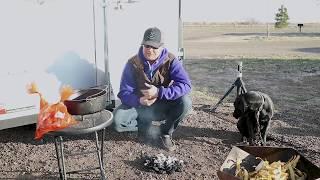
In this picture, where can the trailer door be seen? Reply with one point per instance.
(49, 42)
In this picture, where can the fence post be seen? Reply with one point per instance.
(268, 30)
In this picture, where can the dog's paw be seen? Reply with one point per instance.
(242, 143)
(244, 139)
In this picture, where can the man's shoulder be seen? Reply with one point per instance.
(171, 56)
(133, 57)
(135, 62)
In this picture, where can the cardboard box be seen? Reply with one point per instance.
(248, 155)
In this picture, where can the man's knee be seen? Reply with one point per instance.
(125, 126)
(124, 119)
(185, 103)
(117, 120)
(117, 126)
(180, 107)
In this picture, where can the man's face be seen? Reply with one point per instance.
(151, 53)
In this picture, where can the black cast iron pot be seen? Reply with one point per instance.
(87, 101)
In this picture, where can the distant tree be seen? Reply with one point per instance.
(282, 17)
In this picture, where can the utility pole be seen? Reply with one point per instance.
(180, 34)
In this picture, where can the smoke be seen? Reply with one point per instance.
(154, 132)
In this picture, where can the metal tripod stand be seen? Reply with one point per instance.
(237, 83)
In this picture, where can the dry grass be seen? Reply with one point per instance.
(232, 41)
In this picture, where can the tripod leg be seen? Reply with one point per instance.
(243, 88)
(224, 96)
(239, 90)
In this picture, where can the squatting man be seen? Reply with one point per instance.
(154, 87)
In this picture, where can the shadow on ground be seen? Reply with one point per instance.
(315, 50)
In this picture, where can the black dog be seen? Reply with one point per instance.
(254, 111)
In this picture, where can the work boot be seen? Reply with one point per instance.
(167, 143)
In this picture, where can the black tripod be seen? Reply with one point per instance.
(237, 83)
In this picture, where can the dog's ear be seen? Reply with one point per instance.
(236, 102)
(237, 111)
(244, 104)
(240, 103)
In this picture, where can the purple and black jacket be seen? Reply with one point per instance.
(128, 86)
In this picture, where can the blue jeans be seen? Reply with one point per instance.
(140, 118)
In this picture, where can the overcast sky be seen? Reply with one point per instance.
(243, 10)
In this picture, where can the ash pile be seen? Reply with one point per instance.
(163, 164)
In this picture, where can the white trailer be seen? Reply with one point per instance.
(81, 43)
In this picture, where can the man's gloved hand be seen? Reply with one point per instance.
(151, 92)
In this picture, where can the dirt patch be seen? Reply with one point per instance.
(204, 138)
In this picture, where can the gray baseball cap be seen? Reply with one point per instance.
(152, 37)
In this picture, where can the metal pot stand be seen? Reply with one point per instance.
(90, 123)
